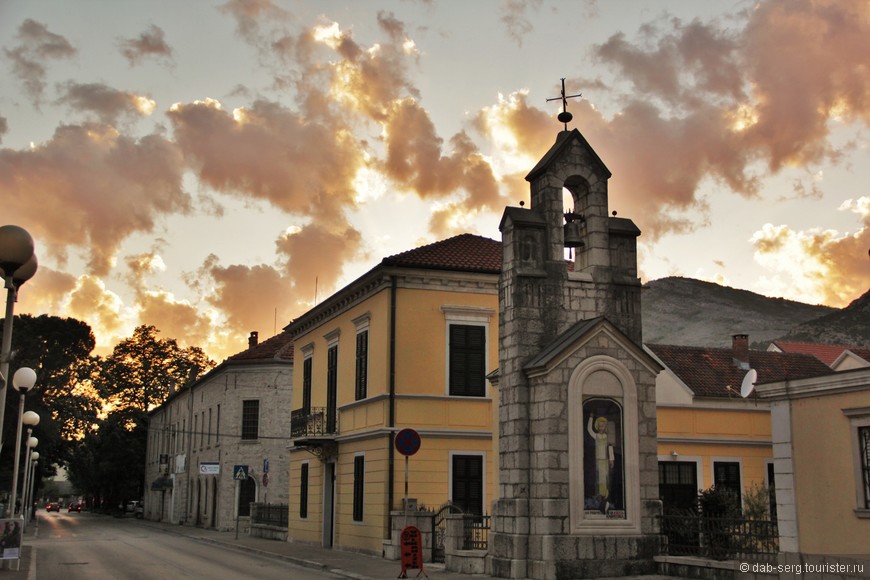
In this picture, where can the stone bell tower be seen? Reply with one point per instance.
(578, 471)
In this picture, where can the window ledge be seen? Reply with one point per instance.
(862, 513)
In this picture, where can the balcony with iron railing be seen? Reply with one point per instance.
(313, 428)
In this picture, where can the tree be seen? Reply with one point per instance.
(143, 370)
(108, 464)
(59, 350)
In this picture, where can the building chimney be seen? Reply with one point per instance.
(253, 339)
(740, 350)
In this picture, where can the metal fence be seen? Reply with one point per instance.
(475, 532)
(270, 514)
(692, 534)
(313, 422)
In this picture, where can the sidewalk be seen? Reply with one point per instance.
(337, 562)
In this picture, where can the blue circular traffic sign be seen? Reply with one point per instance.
(407, 442)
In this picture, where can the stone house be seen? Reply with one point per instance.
(237, 414)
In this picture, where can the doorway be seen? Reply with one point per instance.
(328, 504)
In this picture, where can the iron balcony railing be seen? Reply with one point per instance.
(692, 534)
(313, 422)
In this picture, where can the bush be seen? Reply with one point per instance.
(756, 502)
(717, 507)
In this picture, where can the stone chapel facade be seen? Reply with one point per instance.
(578, 475)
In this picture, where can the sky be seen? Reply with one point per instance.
(214, 168)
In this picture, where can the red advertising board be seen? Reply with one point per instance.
(411, 545)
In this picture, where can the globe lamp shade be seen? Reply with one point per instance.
(30, 418)
(16, 247)
(24, 379)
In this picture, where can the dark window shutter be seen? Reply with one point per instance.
(303, 491)
(467, 360)
(359, 470)
(306, 386)
(362, 357)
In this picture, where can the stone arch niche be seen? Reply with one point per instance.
(603, 452)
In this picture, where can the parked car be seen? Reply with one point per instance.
(52, 507)
(136, 508)
(74, 507)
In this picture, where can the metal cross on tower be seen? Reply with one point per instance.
(564, 117)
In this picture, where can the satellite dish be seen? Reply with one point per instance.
(748, 383)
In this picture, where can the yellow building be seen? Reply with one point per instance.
(708, 434)
(407, 345)
(821, 429)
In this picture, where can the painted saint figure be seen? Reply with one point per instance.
(604, 457)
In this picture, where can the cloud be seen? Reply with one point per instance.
(90, 300)
(270, 153)
(89, 187)
(816, 265)
(150, 43)
(317, 252)
(250, 297)
(106, 103)
(4, 127)
(36, 46)
(514, 17)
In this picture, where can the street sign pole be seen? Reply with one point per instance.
(237, 508)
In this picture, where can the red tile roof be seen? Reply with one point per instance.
(465, 252)
(863, 352)
(827, 353)
(708, 371)
(279, 347)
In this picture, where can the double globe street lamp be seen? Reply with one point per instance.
(17, 265)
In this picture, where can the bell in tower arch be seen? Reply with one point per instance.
(573, 230)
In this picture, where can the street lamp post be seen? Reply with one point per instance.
(23, 381)
(30, 503)
(18, 264)
(31, 443)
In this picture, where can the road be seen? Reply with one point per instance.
(84, 546)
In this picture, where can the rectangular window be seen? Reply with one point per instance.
(306, 386)
(303, 491)
(678, 484)
(362, 364)
(771, 490)
(331, 388)
(467, 483)
(726, 475)
(195, 429)
(467, 360)
(864, 450)
(217, 432)
(209, 426)
(250, 420)
(359, 471)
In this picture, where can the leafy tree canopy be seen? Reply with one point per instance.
(59, 350)
(143, 370)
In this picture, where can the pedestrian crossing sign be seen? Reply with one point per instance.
(240, 472)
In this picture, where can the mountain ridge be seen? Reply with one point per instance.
(689, 312)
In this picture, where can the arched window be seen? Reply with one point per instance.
(247, 495)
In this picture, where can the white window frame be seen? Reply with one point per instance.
(466, 316)
(858, 417)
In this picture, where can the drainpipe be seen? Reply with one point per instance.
(392, 439)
